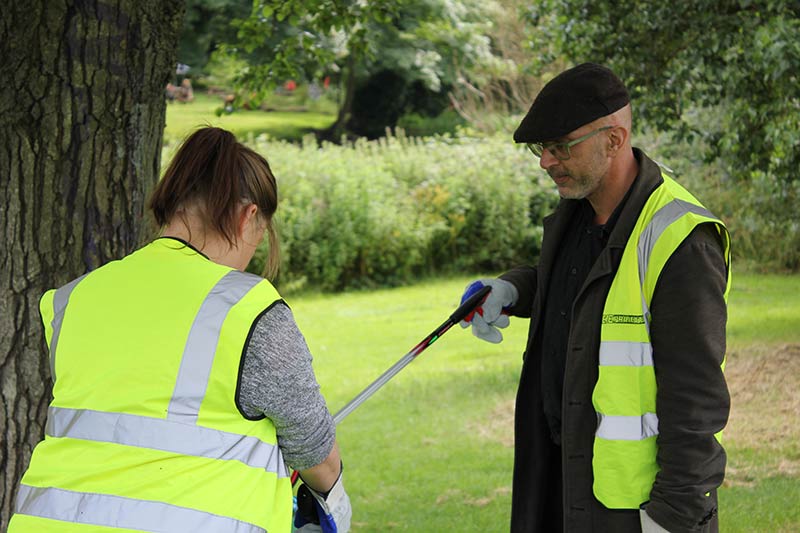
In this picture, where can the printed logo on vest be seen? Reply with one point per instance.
(623, 319)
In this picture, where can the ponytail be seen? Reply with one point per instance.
(215, 172)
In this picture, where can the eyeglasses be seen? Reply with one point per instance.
(561, 150)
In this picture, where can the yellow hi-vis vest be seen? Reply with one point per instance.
(624, 397)
(143, 433)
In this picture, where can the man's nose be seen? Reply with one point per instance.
(547, 159)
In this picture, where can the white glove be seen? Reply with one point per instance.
(333, 512)
(648, 524)
(490, 314)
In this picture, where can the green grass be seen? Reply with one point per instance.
(771, 505)
(763, 489)
(182, 118)
(415, 458)
(764, 309)
(431, 451)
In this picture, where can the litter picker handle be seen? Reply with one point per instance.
(472, 302)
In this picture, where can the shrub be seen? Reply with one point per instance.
(381, 213)
(414, 124)
(760, 212)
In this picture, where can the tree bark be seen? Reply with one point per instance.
(81, 121)
(336, 130)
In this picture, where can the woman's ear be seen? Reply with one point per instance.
(247, 215)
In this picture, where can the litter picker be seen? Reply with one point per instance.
(458, 315)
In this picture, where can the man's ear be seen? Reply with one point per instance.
(616, 139)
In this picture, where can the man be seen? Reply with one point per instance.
(622, 392)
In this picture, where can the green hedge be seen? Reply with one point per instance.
(382, 213)
(385, 212)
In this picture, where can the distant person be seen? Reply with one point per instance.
(182, 93)
(186, 93)
(171, 92)
(183, 389)
(227, 102)
(622, 395)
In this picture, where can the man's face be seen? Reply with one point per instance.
(582, 174)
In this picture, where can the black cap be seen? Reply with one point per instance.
(573, 98)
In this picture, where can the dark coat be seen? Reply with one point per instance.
(553, 485)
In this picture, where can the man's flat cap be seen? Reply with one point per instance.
(575, 97)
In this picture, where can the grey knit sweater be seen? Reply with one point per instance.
(278, 382)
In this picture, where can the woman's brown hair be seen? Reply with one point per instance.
(216, 172)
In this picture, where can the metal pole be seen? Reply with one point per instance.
(464, 309)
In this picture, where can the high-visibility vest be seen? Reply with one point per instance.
(144, 432)
(624, 397)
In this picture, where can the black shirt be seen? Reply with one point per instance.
(581, 245)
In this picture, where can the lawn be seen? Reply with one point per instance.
(432, 450)
(289, 120)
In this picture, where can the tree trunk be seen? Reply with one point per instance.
(81, 121)
(336, 130)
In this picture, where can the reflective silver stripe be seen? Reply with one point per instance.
(201, 346)
(627, 427)
(165, 435)
(621, 353)
(665, 216)
(60, 301)
(120, 512)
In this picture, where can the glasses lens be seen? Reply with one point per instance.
(536, 148)
(560, 150)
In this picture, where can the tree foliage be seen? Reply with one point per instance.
(206, 25)
(721, 70)
(303, 39)
(422, 46)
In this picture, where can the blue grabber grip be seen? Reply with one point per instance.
(471, 302)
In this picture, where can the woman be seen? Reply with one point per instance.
(182, 386)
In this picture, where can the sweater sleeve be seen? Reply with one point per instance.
(278, 382)
(689, 316)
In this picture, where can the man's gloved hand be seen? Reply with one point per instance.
(318, 513)
(490, 314)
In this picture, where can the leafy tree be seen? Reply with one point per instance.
(735, 58)
(81, 119)
(494, 82)
(206, 25)
(431, 48)
(302, 39)
(416, 47)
